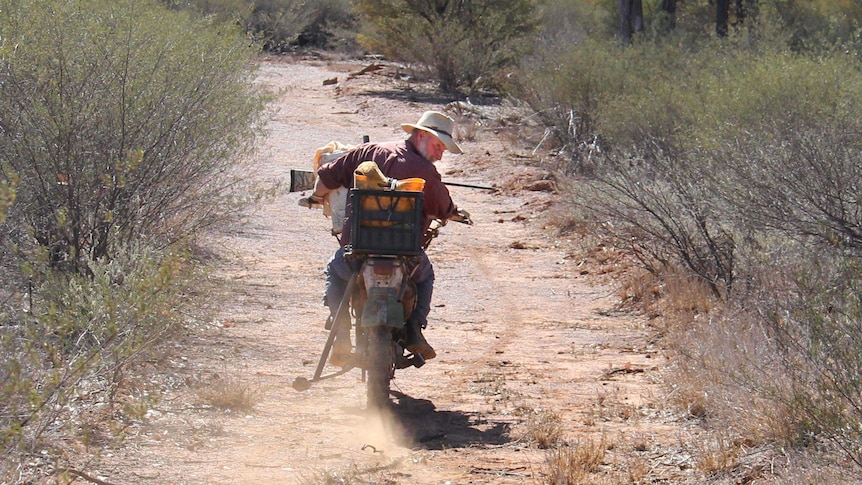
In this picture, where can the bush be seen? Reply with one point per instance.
(566, 94)
(688, 167)
(659, 210)
(8, 182)
(625, 123)
(122, 122)
(780, 365)
(282, 25)
(125, 130)
(72, 346)
(597, 95)
(793, 164)
(464, 44)
(735, 161)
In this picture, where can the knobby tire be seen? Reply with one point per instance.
(381, 364)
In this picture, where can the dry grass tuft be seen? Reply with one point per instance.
(686, 295)
(231, 394)
(569, 465)
(641, 288)
(688, 394)
(716, 454)
(544, 429)
(674, 294)
(353, 475)
(610, 405)
(637, 469)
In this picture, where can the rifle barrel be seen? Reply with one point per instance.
(470, 186)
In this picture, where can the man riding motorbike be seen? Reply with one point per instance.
(411, 158)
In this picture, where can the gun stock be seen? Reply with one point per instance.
(301, 180)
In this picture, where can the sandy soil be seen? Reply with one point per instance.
(534, 357)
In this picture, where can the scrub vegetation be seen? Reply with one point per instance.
(720, 152)
(729, 168)
(123, 132)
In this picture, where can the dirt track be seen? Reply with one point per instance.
(528, 347)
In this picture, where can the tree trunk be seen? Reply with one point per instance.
(631, 18)
(741, 9)
(722, 13)
(668, 19)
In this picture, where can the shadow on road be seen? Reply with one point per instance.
(423, 426)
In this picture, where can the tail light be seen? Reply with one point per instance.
(382, 273)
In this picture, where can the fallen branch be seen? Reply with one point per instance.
(365, 70)
(500, 472)
(83, 475)
(380, 468)
(627, 369)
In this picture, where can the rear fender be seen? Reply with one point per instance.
(382, 308)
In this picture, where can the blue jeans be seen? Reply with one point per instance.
(339, 272)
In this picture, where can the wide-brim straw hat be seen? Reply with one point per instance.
(439, 125)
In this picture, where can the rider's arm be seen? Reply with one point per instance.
(438, 203)
(320, 191)
(333, 175)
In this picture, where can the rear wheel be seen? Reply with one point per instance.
(381, 364)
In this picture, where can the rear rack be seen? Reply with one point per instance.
(385, 222)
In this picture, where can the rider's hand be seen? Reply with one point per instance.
(462, 216)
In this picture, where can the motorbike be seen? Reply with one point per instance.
(386, 245)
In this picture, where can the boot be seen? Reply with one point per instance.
(416, 342)
(342, 346)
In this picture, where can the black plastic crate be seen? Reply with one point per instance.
(385, 222)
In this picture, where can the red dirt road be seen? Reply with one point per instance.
(529, 348)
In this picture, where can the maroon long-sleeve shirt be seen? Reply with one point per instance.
(398, 160)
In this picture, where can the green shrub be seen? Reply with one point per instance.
(794, 164)
(125, 129)
(464, 44)
(627, 119)
(597, 94)
(691, 156)
(565, 23)
(781, 364)
(281, 25)
(73, 344)
(123, 121)
(328, 24)
(8, 182)
(737, 161)
(566, 94)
